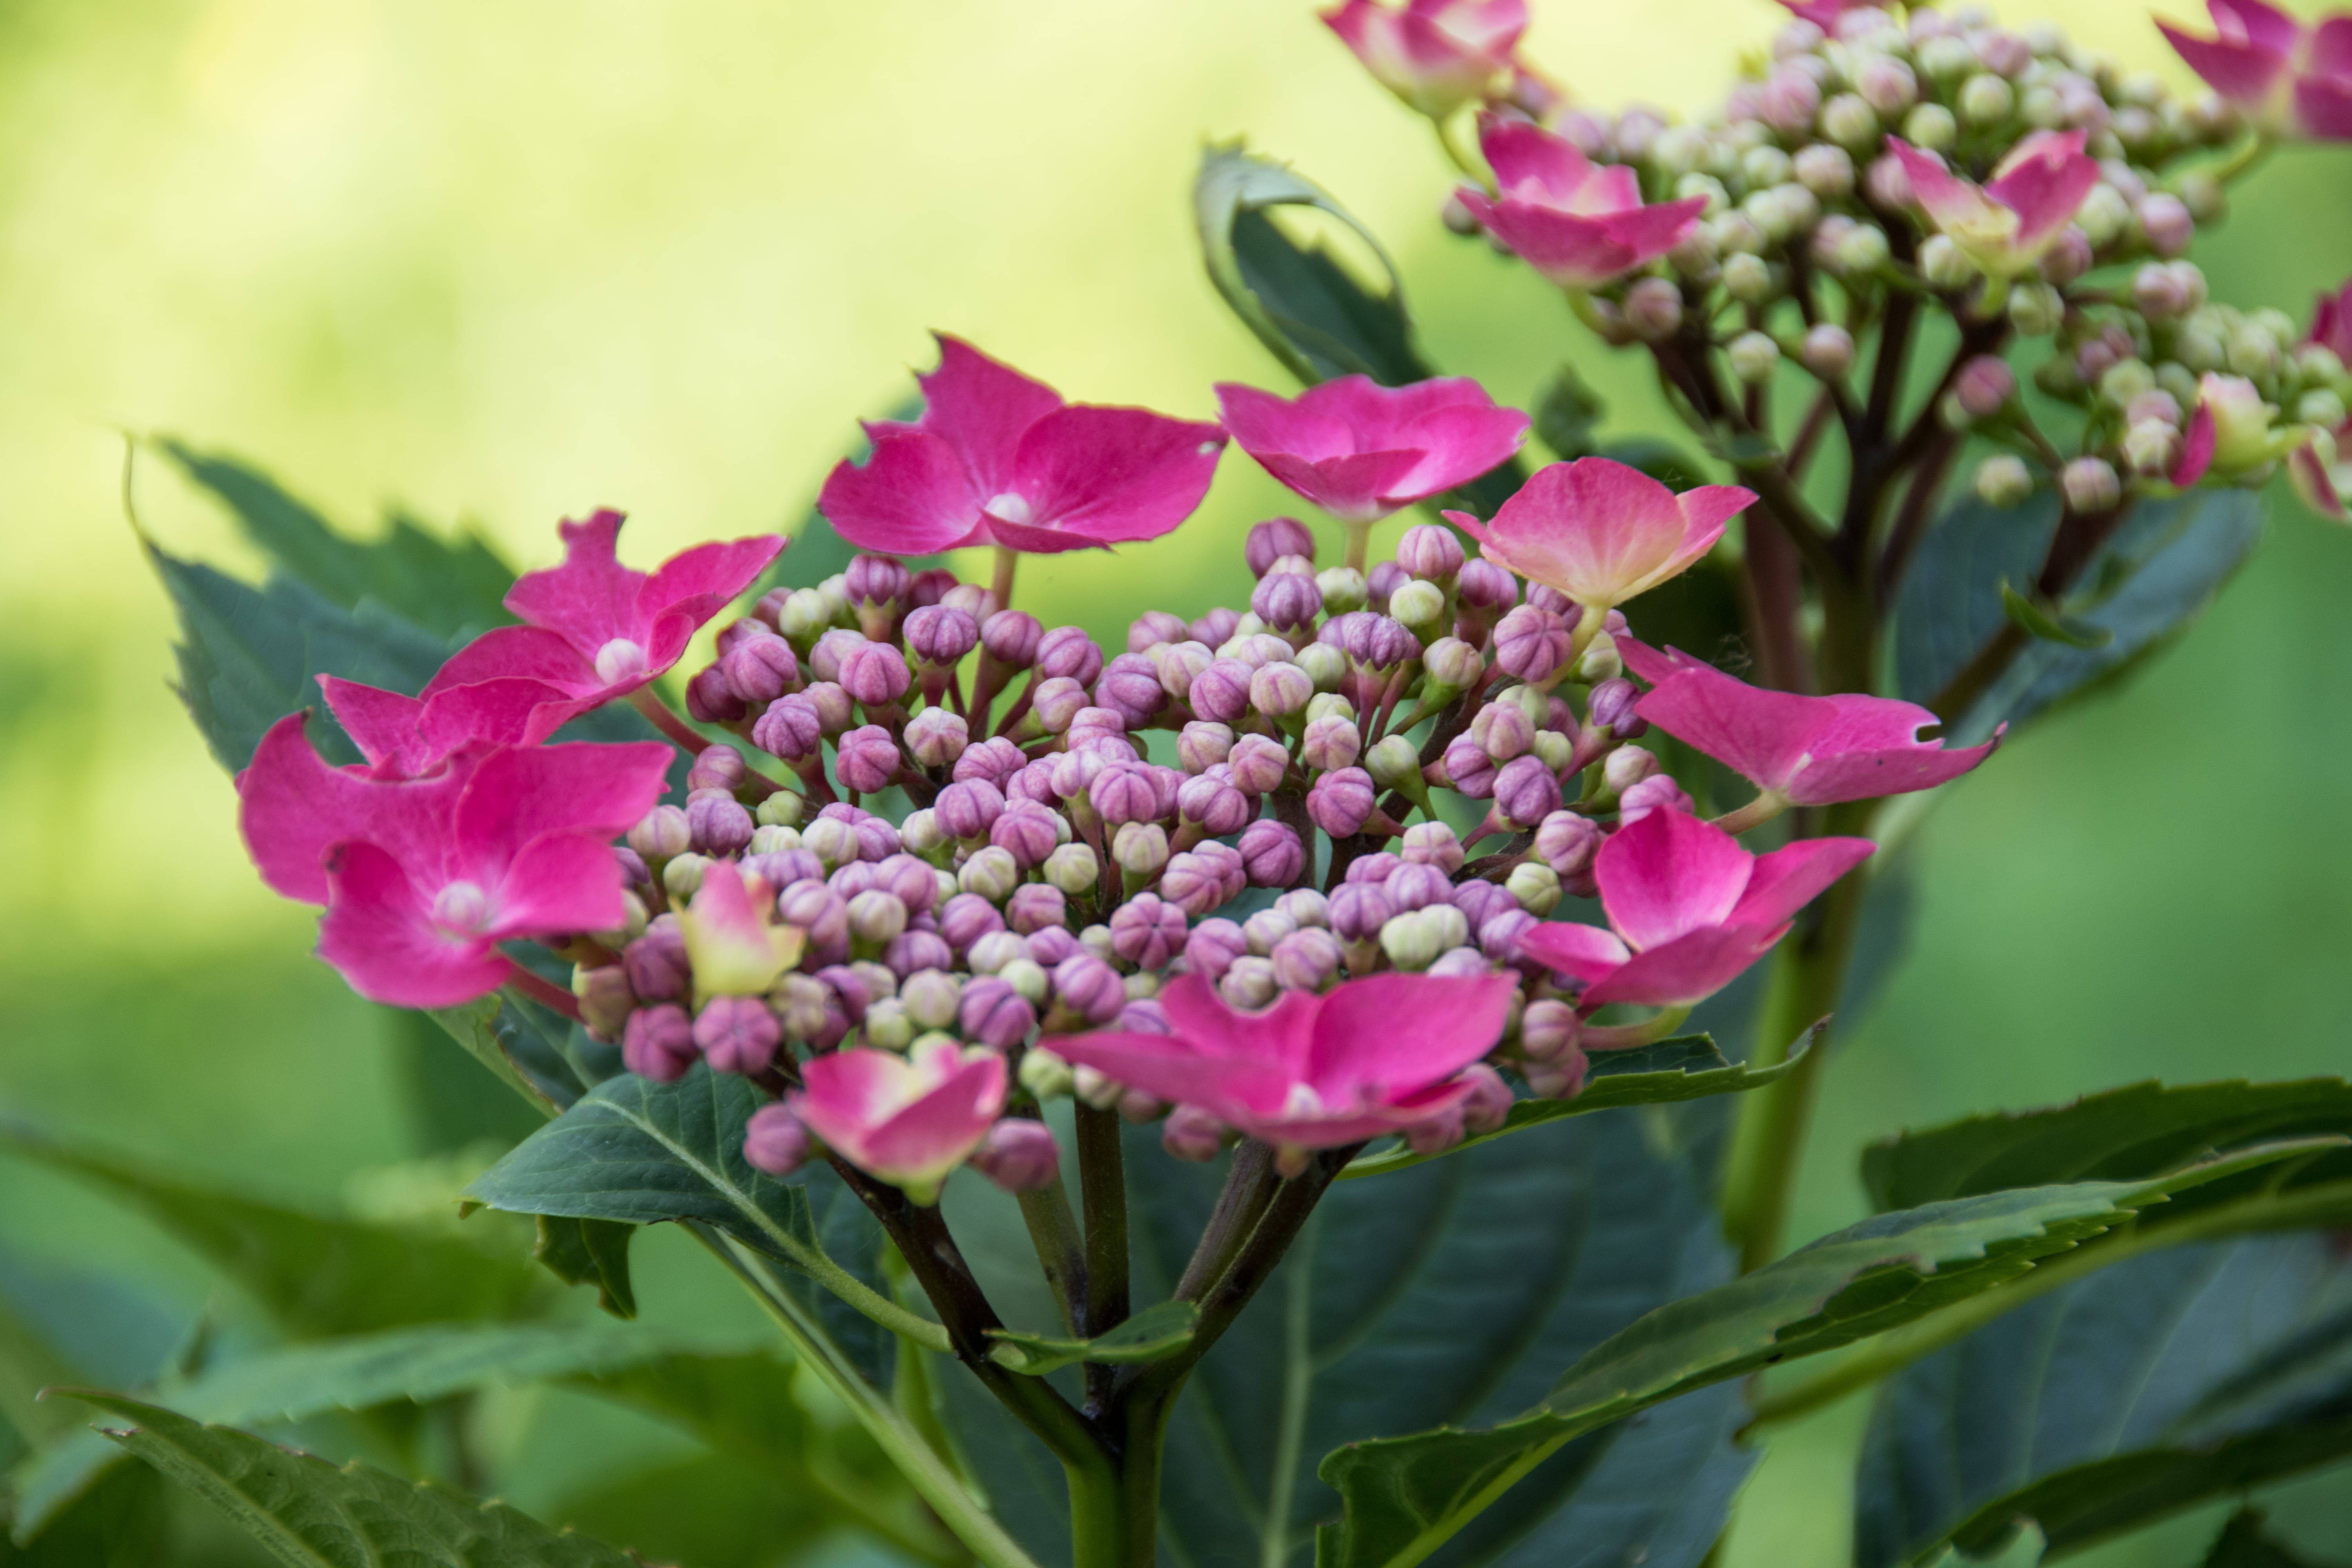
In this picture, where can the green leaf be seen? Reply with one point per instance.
(2244, 1543)
(1407, 1496)
(308, 1514)
(452, 588)
(451, 1105)
(1687, 1068)
(317, 1273)
(2116, 1134)
(1152, 1334)
(1301, 301)
(2162, 567)
(2150, 1386)
(590, 1252)
(123, 1521)
(1569, 414)
(641, 1153)
(2051, 624)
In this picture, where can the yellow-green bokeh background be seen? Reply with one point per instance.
(505, 262)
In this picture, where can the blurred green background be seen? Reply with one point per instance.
(494, 265)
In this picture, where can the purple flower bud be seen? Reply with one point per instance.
(1464, 962)
(1453, 664)
(1033, 782)
(1415, 885)
(1483, 586)
(1148, 931)
(877, 840)
(995, 759)
(1383, 579)
(867, 759)
(1272, 854)
(716, 767)
(1089, 988)
(966, 918)
(968, 809)
(1430, 551)
(929, 587)
(1332, 742)
(810, 1011)
(1130, 687)
(1373, 868)
(1011, 637)
(1035, 906)
(1611, 707)
(1306, 960)
(1278, 690)
(1287, 601)
(1469, 768)
(830, 703)
(1075, 772)
(1250, 984)
(994, 1015)
(1214, 804)
(1359, 910)
(1225, 861)
(854, 878)
(1220, 693)
(656, 962)
(874, 674)
(2166, 220)
(758, 671)
(2090, 484)
(1548, 1030)
(737, 632)
(1480, 900)
(1272, 539)
(1502, 731)
(910, 881)
(1047, 946)
(1212, 948)
(1069, 652)
(820, 911)
(1432, 843)
(1153, 627)
(1567, 843)
(1094, 728)
(1341, 803)
(710, 700)
(718, 822)
(659, 1043)
(1202, 744)
(916, 951)
(825, 656)
(1372, 639)
(1058, 701)
(1212, 629)
(938, 636)
(1489, 1101)
(775, 1141)
(1179, 664)
(1019, 1156)
(1525, 791)
(936, 738)
(1533, 644)
(1191, 884)
(633, 866)
(1027, 833)
(737, 1034)
(790, 729)
(1656, 793)
(1124, 794)
(873, 580)
(1191, 1133)
(1258, 765)
(875, 917)
(661, 833)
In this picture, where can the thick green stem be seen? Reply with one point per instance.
(1102, 1192)
(1000, 585)
(1061, 1251)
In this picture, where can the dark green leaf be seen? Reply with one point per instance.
(1569, 415)
(2244, 1543)
(1687, 1068)
(2161, 568)
(526, 1046)
(124, 1522)
(1152, 1334)
(451, 588)
(713, 1509)
(317, 1273)
(2050, 623)
(2150, 1386)
(590, 1252)
(308, 1514)
(1407, 1496)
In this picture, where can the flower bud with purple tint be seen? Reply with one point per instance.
(1468, 768)
(1048, 945)
(1125, 792)
(1068, 653)
(1341, 803)
(1359, 910)
(993, 873)
(1627, 766)
(717, 767)
(874, 674)
(1278, 690)
(1258, 765)
(776, 1141)
(1025, 833)
(991, 953)
(737, 1034)
(1089, 988)
(1148, 931)
(831, 704)
(1191, 1133)
(1202, 744)
(1154, 627)
(938, 636)
(867, 759)
(1525, 791)
(1139, 849)
(1373, 867)
(1533, 644)
(718, 822)
(1011, 637)
(1416, 885)
(1486, 588)
(1221, 693)
(1212, 946)
(1430, 551)
(1191, 884)
(1036, 905)
(1073, 868)
(1489, 1101)
(659, 1043)
(930, 997)
(1211, 802)
(1287, 601)
(656, 962)
(995, 759)
(2090, 484)
(1214, 628)
(1498, 934)
(875, 917)
(2165, 221)
(1566, 842)
(810, 1011)
(916, 952)
(606, 998)
(661, 833)
(873, 580)
(1611, 707)
(1306, 960)
(1251, 984)
(1502, 731)
(710, 700)
(1130, 687)
(993, 1014)
(1274, 538)
(1432, 843)
(1178, 665)
(759, 669)
(1272, 855)
(1019, 1156)
(1330, 742)
(936, 738)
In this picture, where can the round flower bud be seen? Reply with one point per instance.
(993, 873)
(1359, 910)
(1010, 637)
(710, 700)
(1931, 126)
(1341, 803)
(661, 833)
(1212, 946)
(1653, 310)
(781, 809)
(1342, 589)
(2166, 223)
(1627, 766)
(967, 810)
(1178, 665)
(1202, 744)
(1279, 689)
(1748, 278)
(1221, 693)
(1073, 868)
(1287, 601)
(1154, 627)
(2068, 258)
(1019, 1156)
(2152, 448)
(1306, 960)
(1026, 975)
(1502, 731)
(1392, 762)
(1044, 1074)
(2003, 480)
(1259, 764)
(1416, 884)
(1566, 842)
(1886, 83)
(1860, 251)
(1025, 833)
(775, 1141)
(659, 1043)
(1034, 906)
(1193, 884)
(1412, 941)
(1213, 802)
(993, 1014)
(1432, 843)
(737, 1034)
(1274, 538)
(1850, 122)
(912, 951)
(1986, 98)
(1139, 849)
(1533, 644)
(1753, 356)
(938, 636)
(2090, 484)
(1068, 653)
(1330, 742)
(875, 917)
(817, 911)
(1125, 793)
(1525, 792)
(1828, 351)
(886, 1027)
(1452, 664)
(936, 738)
(1191, 1133)
(1599, 660)
(1147, 931)
(991, 953)
(1536, 886)
(1249, 984)
(718, 822)
(1417, 604)
(1548, 1029)
(682, 877)
(717, 767)
(1129, 688)
(866, 760)
(1265, 928)
(1306, 907)
(758, 671)
(1430, 551)
(2036, 310)
(1468, 769)
(1984, 386)
(873, 580)
(1272, 855)
(1943, 265)
(1490, 1098)
(966, 919)
(1089, 988)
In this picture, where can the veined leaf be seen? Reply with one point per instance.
(1687, 1068)
(504, 1035)
(1407, 1496)
(308, 1514)
(2051, 624)
(317, 1273)
(590, 1252)
(1152, 1334)
(2149, 1387)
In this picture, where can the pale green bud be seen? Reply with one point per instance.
(2003, 480)
(1418, 605)
(1073, 868)
(2036, 310)
(682, 874)
(1943, 265)
(776, 840)
(1325, 666)
(1754, 356)
(1042, 1074)
(1536, 886)
(1931, 125)
(781, 809)
(1343, 588)
(888, 1027)
(1748, 278)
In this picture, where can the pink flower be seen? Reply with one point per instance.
(593, 629)
(408, 737)
(1437, 55)
(733, 940)
(1602, 533)
(1369, 1056)
(1807, 751)
(1578, 223)
(2005, 226)
(1689, 909)
(909, 1120)
(1360, 450)
(998, 458)
(421, 878)
(1824, 14)
(2233, 432)
(2286, 77)
(2316, 467)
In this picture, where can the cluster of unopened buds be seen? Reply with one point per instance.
(1411, 765)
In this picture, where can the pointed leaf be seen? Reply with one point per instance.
(2048, 624)
(1152, 1334)
(308, 1514)
(2244, 1543)
(503, 1035)
(590, 1252)
(1687, 1068)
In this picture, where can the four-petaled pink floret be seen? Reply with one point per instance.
(2005, 225)
(1689, 909)
(1436, 54)
(1579, 223)
(2286, 77)
(999, 459)
(1600, 532)
(909, 1120)
(1360, 450)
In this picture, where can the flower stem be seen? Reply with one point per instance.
(1360, 543)
(1449, 137)
(1102, 1190)
(663, 717)
(1061, 1251)
(546, 992)
(2246, 159)
(1000, 585)
(1767, 806)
